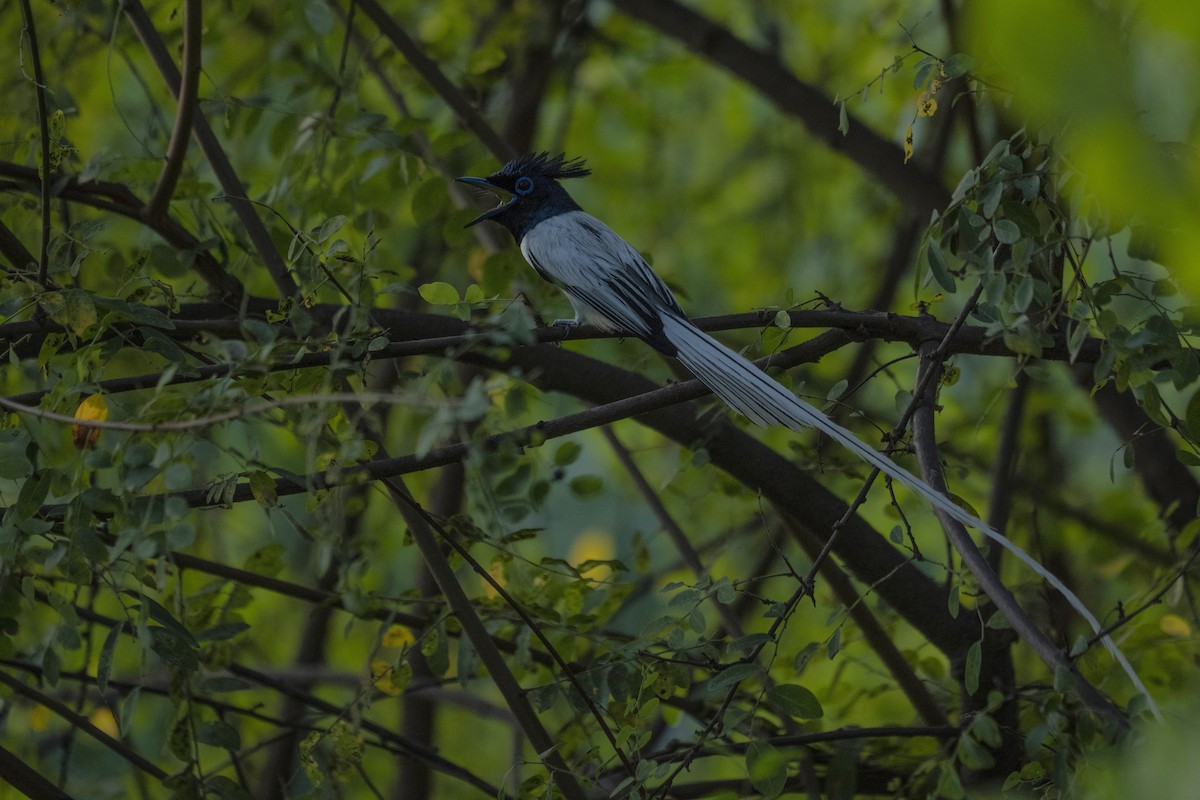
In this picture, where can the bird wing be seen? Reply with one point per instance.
(607, 280)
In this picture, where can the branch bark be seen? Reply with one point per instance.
(189, 86)
(924, 443)
(231, 184)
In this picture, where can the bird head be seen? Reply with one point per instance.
(534, 194)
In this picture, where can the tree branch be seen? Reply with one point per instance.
(514, 696)
(26, 780)
(919, 190)
(187, 95)
(117, 198)
(432, 74)
(39, 84)
(15, 251)
(924, 443)
(235, 191)
(82, 723)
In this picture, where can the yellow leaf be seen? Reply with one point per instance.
(398, 636)
(908, 145)
(381, 676)
(103, 719)
(391, 679)
(92, 409)
(1175, 626)
(926, 106)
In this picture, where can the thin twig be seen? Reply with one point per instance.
(679, 539)
(530, 623)
(897, 433)
(926, 448)
(1000, 501)
(429, 70)
(39, 84)
(204, 422)
(83, 724)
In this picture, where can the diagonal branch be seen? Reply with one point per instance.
(15, 251)
(156, 206)
(428, 69)
(515, 697)
(919, 190)
(26, 780)
(231, 184)
(83, 724)
(924, 443)
(39, 84)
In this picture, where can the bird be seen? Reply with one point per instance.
(611, 286)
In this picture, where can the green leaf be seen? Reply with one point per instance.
(222, 631)
(1192, 417)
(566, 453)
(732, 675)
(986, 729)
(104, 664)
(334, 224)
(973, 756)
(33, 494)
(164, 617)
(173, 650)
(1006, 231)
(1023, 295)
(804, 656)
(796, 701)
(957, 65)
(746, 644)
(767, 769)
(835, 644)
(439, 293)
(543, 698)
(971, 668)
(939, 266)
(924, 70)
(587, 485)
(263, 488)
(319, 17)
(219, 734)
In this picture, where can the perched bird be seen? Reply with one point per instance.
(611, 286)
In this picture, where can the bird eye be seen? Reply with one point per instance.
(524, 185)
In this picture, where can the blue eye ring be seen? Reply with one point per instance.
(523, 186)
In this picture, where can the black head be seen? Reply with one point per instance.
(535, 195)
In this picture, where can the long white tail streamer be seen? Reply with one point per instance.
(766, 402)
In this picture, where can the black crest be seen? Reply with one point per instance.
(557, 167)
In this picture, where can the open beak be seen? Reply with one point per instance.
(483, 183)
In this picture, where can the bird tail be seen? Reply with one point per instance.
(749, 390)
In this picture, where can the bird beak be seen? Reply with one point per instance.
(483, 183)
